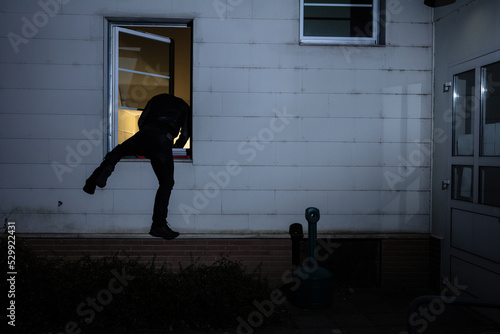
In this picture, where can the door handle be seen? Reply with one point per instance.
(445, 184)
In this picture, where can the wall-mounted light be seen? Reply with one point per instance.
(446, 87)
(438, 3)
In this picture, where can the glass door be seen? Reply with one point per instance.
(476, 136)
(474, 212)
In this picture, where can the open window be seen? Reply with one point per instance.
(146, 60)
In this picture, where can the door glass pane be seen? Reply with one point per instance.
(490, 110)
(462, 183)
(489, 185)
(463, 113)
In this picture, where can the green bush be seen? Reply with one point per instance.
(56, 295)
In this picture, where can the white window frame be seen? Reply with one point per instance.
(333, 40)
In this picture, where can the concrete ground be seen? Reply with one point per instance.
(365, 311)
(376, 311)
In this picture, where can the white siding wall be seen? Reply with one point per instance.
(354, 140)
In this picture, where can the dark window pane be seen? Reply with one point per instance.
(489, 186)
(490, 110)
(462, 183)
(343, 2)
(338, 18)
(463, 113)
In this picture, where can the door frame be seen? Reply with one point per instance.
(449, 252)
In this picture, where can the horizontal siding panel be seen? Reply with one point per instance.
(41, 76)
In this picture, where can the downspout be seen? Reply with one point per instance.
(433, 93)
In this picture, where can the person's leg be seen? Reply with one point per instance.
(163, 166)
(133, 146)
(162, 162)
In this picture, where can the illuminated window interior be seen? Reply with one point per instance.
(147, 60)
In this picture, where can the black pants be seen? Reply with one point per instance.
(155, 144)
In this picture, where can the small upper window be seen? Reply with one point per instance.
(339, 21)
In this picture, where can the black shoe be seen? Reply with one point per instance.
(89, 186)
(103, 176)
(164, 232)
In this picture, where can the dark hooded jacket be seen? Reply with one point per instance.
(169, 113)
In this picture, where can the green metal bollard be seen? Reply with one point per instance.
(316, 283)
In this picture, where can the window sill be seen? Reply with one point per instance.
(338, 43)
(176, 159)
(180, 155)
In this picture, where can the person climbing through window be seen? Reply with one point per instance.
(160, 122)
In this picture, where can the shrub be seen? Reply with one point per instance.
(54, 295)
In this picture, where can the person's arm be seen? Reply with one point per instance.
(144, 116)
(186, 127)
